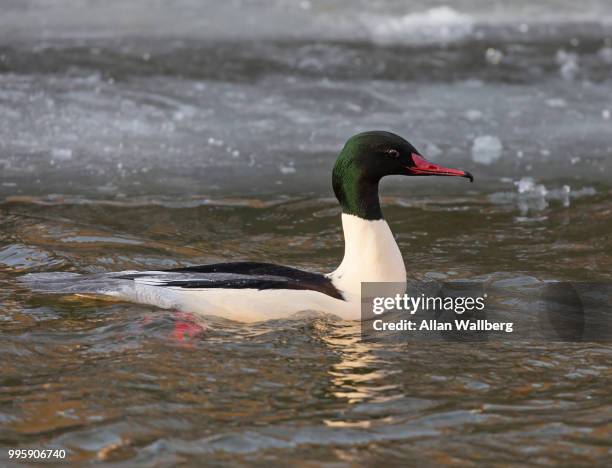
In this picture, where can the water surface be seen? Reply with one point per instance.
(155, 144)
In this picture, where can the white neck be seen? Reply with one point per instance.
(370, 255)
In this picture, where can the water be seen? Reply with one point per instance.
(169, 137)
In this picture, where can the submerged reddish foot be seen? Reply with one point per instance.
(186, 326)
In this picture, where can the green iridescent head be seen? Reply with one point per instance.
(368, 157)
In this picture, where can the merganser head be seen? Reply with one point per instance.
(368, 157)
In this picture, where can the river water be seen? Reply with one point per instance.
(140, 136)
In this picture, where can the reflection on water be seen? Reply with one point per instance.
(136, 385)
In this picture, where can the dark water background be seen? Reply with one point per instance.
(138, 136)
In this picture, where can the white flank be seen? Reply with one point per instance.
(370, 255)
(243, 305)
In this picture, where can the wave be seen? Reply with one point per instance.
(441, 24)
(388, 22)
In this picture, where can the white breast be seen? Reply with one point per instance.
(370, 255)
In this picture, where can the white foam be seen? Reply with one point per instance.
(436, 24)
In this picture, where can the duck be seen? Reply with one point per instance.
(253, 291)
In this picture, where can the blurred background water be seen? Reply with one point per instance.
(143, 134)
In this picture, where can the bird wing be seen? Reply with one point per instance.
(237, 275)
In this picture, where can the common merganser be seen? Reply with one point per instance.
(249, 291)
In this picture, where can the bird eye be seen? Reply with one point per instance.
(393, 153)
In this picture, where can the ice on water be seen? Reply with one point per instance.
(486, 149)
(105, 113)
(531, 195)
